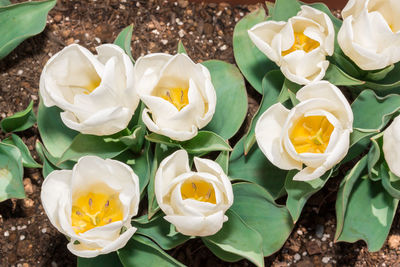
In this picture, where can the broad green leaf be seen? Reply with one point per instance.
(55, 135)
(85, 144)
(285, 9)
(158, 231)
(140, 163)
(11, 172)
(271, 85)
(300, 191)
(231, 108)
(375, 157)
(390, 84)
(390, 181)
(251, 61)
(4, 3)
(161, 151)
(203, 142)
(359, 141)
(106, 260)
(345, 63)
(123, 40)
(21, 21)
(223, 160)
(371, 112)
(20, 121)
(27, 159)
(48, 167)
(379, 74)
(255, 168)
(238, 238)
(181, 48)
(339, 78)
(258, 210)
(141, 251)
(134, 141)
(366, 213)
(222, 254)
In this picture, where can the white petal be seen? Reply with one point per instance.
(85, 251)
(197, 226)
(170, 168)
(262, 36)
(325, 90)
(309, 173)
(269, 131)
(56, 189)
(391, 146)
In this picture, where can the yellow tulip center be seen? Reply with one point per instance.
(301, 42)
(176, 96)
(93, 84)
(311, 134)
(93, 209)
(198, 190)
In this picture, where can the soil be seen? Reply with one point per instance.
(26, 236)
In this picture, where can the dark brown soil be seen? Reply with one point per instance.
(26, 236)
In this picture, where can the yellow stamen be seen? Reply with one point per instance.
(92, 85)
(198, 190)
(311, 134)
(176, 96)
(92, 209)
(301, 42)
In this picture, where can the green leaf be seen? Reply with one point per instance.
(21, 21)
(4, 3)
(158, 230)
(223, 161)
(345, 63)
(161, 151)
(359, 141)
(55, 135)
(273, 222)
(375, 157)
(11, 172)
(339, 78)
(271, 85)
(203, 142)
(20, 121)
(379, 74)
(107, 260)
(390, 84)
(364, 209)
(141, 251)
(371, 112)
(231, 108)
(48, 167)
(238, 238)
(222, 254)
(123, 40)
(390, 181)
(85, 144)
(27, 159)
(251, 61)
(255, 167)
(300, 191)
(285, 9)
(181, 48)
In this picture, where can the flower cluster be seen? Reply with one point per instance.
(146, 130)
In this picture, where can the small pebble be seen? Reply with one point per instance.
(326, 259)
(44, 230)
(6, 233)
(22, 237)
(13, 228)
(20, 72)
(297, 257)
(299, 232)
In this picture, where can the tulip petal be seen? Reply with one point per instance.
(269, 130)
(391, 145)
(325, 90)
(197, 226)
(309, 173)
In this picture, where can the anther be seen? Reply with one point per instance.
(90, 202)
(194, 186)
(107, 203)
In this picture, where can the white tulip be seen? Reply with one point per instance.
(195, 202)
(96, 92)
(370, 34)
(93, 204)
(316, 132)
(391, 146)
(178, 93)
(299, 46)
